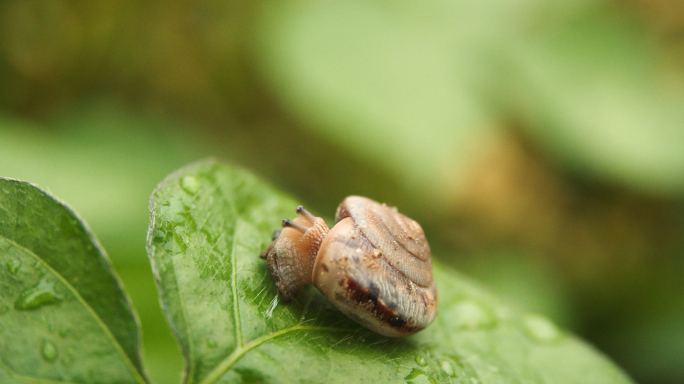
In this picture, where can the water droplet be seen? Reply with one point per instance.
(36, 265)
(49, 351)
(190, 184)
(420, 360)
(13, 266)
(415, 373)
(41, 294)
(211, 343)
(541, 329)
(67, 360)
(471, 315)
(447, 368)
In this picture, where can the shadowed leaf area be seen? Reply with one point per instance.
(209, 224)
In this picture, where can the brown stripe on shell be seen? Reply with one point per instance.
(372, 305)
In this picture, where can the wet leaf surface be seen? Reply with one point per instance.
(64, 316)
(209, 224)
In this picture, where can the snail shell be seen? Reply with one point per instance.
(374, 265)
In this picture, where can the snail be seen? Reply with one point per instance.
(374, 265)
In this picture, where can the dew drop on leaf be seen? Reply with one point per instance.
(446, 367)
(67, 360)
(471, 315)
(190, 184)
(41, 294)
(540, 329)
(415, 373)
(13, 266)
(48, 350)
(420, 360)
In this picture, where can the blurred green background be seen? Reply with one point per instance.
(539, 142)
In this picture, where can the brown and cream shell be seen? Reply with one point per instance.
(374, 265)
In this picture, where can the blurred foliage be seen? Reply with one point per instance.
(543, 140)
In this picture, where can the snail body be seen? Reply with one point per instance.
(374, 265)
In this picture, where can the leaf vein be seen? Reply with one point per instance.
(115, 343)
(236, 305)
(231, 359)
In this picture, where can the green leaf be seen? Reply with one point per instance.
(599, 97)
(209, 224)
(389, 81)
(64, 316)
(419, 89)
(103, 160)
(405, 86)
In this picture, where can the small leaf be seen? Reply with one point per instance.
(209, 224)
(64, 316)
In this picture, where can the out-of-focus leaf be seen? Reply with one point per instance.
(389, 81)
(64, 316)
(651, 318)
(401, 85)
(101, 159)
(209, 224)
(418, 88)
(598, 97)
(522, 282)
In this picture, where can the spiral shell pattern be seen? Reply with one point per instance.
(375, 266)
